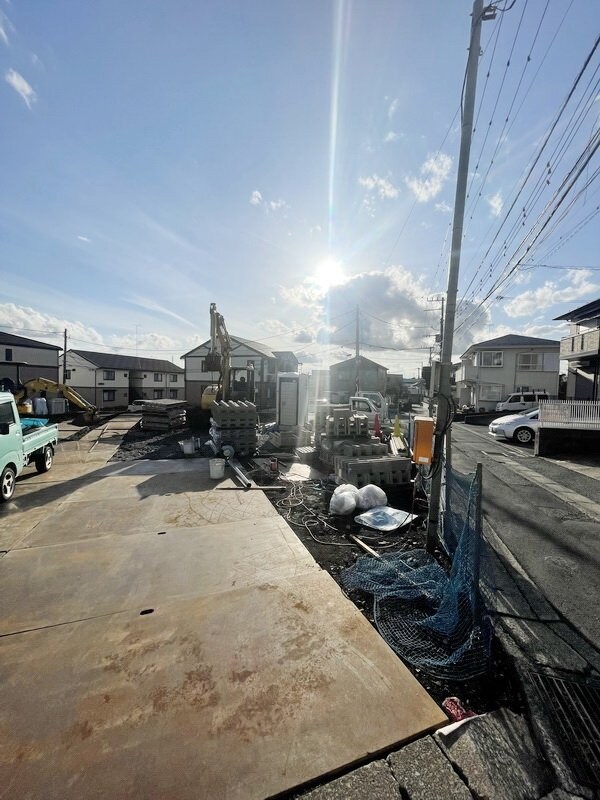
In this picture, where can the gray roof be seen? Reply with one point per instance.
(588, 311)
(260, 348)
(363, 359)
(513, 340)
(21, 341)
(114, 361)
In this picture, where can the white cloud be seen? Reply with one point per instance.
(256, 198)
(84, 239)
(496, 203)
(3, 34)
(382, 187)
(276, 205)
(575, 285)
(21, 87)
(443, 207)
(393, 107)
(391, 136)
(434, 174)
(5, 25)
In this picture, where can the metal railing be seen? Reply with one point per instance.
(581, 344)
(574, 414)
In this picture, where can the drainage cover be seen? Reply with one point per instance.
(574, 706)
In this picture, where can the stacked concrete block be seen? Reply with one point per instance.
(381, 471)
(234, 423)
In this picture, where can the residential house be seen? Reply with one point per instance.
(286, 361)
(244, 352)
(111, 381)
(581, 349)
(493, 369)
(372, 377)
(22, 358)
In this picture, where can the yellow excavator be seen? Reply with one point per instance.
(90, 411)
(234, 383)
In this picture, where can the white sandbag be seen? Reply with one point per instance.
(371, 496)
(348, 488)
(342, 503)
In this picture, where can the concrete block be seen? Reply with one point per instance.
(366, 783)
(497, 757)
(424, 773)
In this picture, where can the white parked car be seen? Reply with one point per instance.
(516, 427)
(137, 406)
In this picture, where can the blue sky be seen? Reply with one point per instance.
(289, 161)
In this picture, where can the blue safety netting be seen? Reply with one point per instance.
(434, 620)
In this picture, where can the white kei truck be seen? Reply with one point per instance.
(21, 445)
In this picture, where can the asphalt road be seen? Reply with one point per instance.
(535, 505)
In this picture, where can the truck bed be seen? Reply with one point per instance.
(37, 438)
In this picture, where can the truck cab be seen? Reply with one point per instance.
(363, 405)
(379, 402)
(22, 442)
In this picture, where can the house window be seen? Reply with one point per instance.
(172, 394)
(530, 361)
(491, 391)
(125, 375)
(157, 376)
(158, 394)
(108, 395)
(491, 358)
(172, 378)
(67, 374)
(8, 354)
(108, 375)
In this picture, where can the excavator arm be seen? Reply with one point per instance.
(45, 384)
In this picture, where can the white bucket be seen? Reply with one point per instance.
(187, 446)
(216, 467)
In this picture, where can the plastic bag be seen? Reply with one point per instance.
(342, 503)
(347, 487)
(371, 496)
(384, 518)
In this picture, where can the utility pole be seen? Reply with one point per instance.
(444, 409)
(64, 380)
(357, 353)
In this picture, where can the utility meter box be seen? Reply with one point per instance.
(423, 441)
(292, 399)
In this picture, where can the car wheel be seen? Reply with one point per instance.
(7, 484)
(44, 461)
(523, 435)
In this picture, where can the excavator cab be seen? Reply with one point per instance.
(241, 383)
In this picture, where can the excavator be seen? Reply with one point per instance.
(45, 384)
(234, 383)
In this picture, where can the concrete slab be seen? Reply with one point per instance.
(44, 586)
(365, 783)
(125, 515)
(424, 773)
(497, 757)
(154, 467)
(233, 696)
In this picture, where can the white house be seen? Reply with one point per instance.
(581, 348)
(243, 353)
(28, 357)
(491, 370)
(112, 381)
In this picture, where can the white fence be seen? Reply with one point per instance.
(575, 414)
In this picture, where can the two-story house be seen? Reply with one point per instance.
(112, 381)
(372, 376)
(581, 349)
(22, 358)
(492, 370)
(244, 352)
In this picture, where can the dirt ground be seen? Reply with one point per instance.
(305, 506)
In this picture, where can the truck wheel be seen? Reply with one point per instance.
(7, 482)
(44, 461)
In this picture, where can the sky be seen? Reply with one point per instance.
(294, 162)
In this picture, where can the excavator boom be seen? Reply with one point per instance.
(45, 384)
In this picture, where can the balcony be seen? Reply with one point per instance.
(582, 344)
(467, 373)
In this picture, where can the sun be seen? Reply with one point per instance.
(328, 273)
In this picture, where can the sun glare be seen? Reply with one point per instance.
(328, 273)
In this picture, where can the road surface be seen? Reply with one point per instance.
(547, 512)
